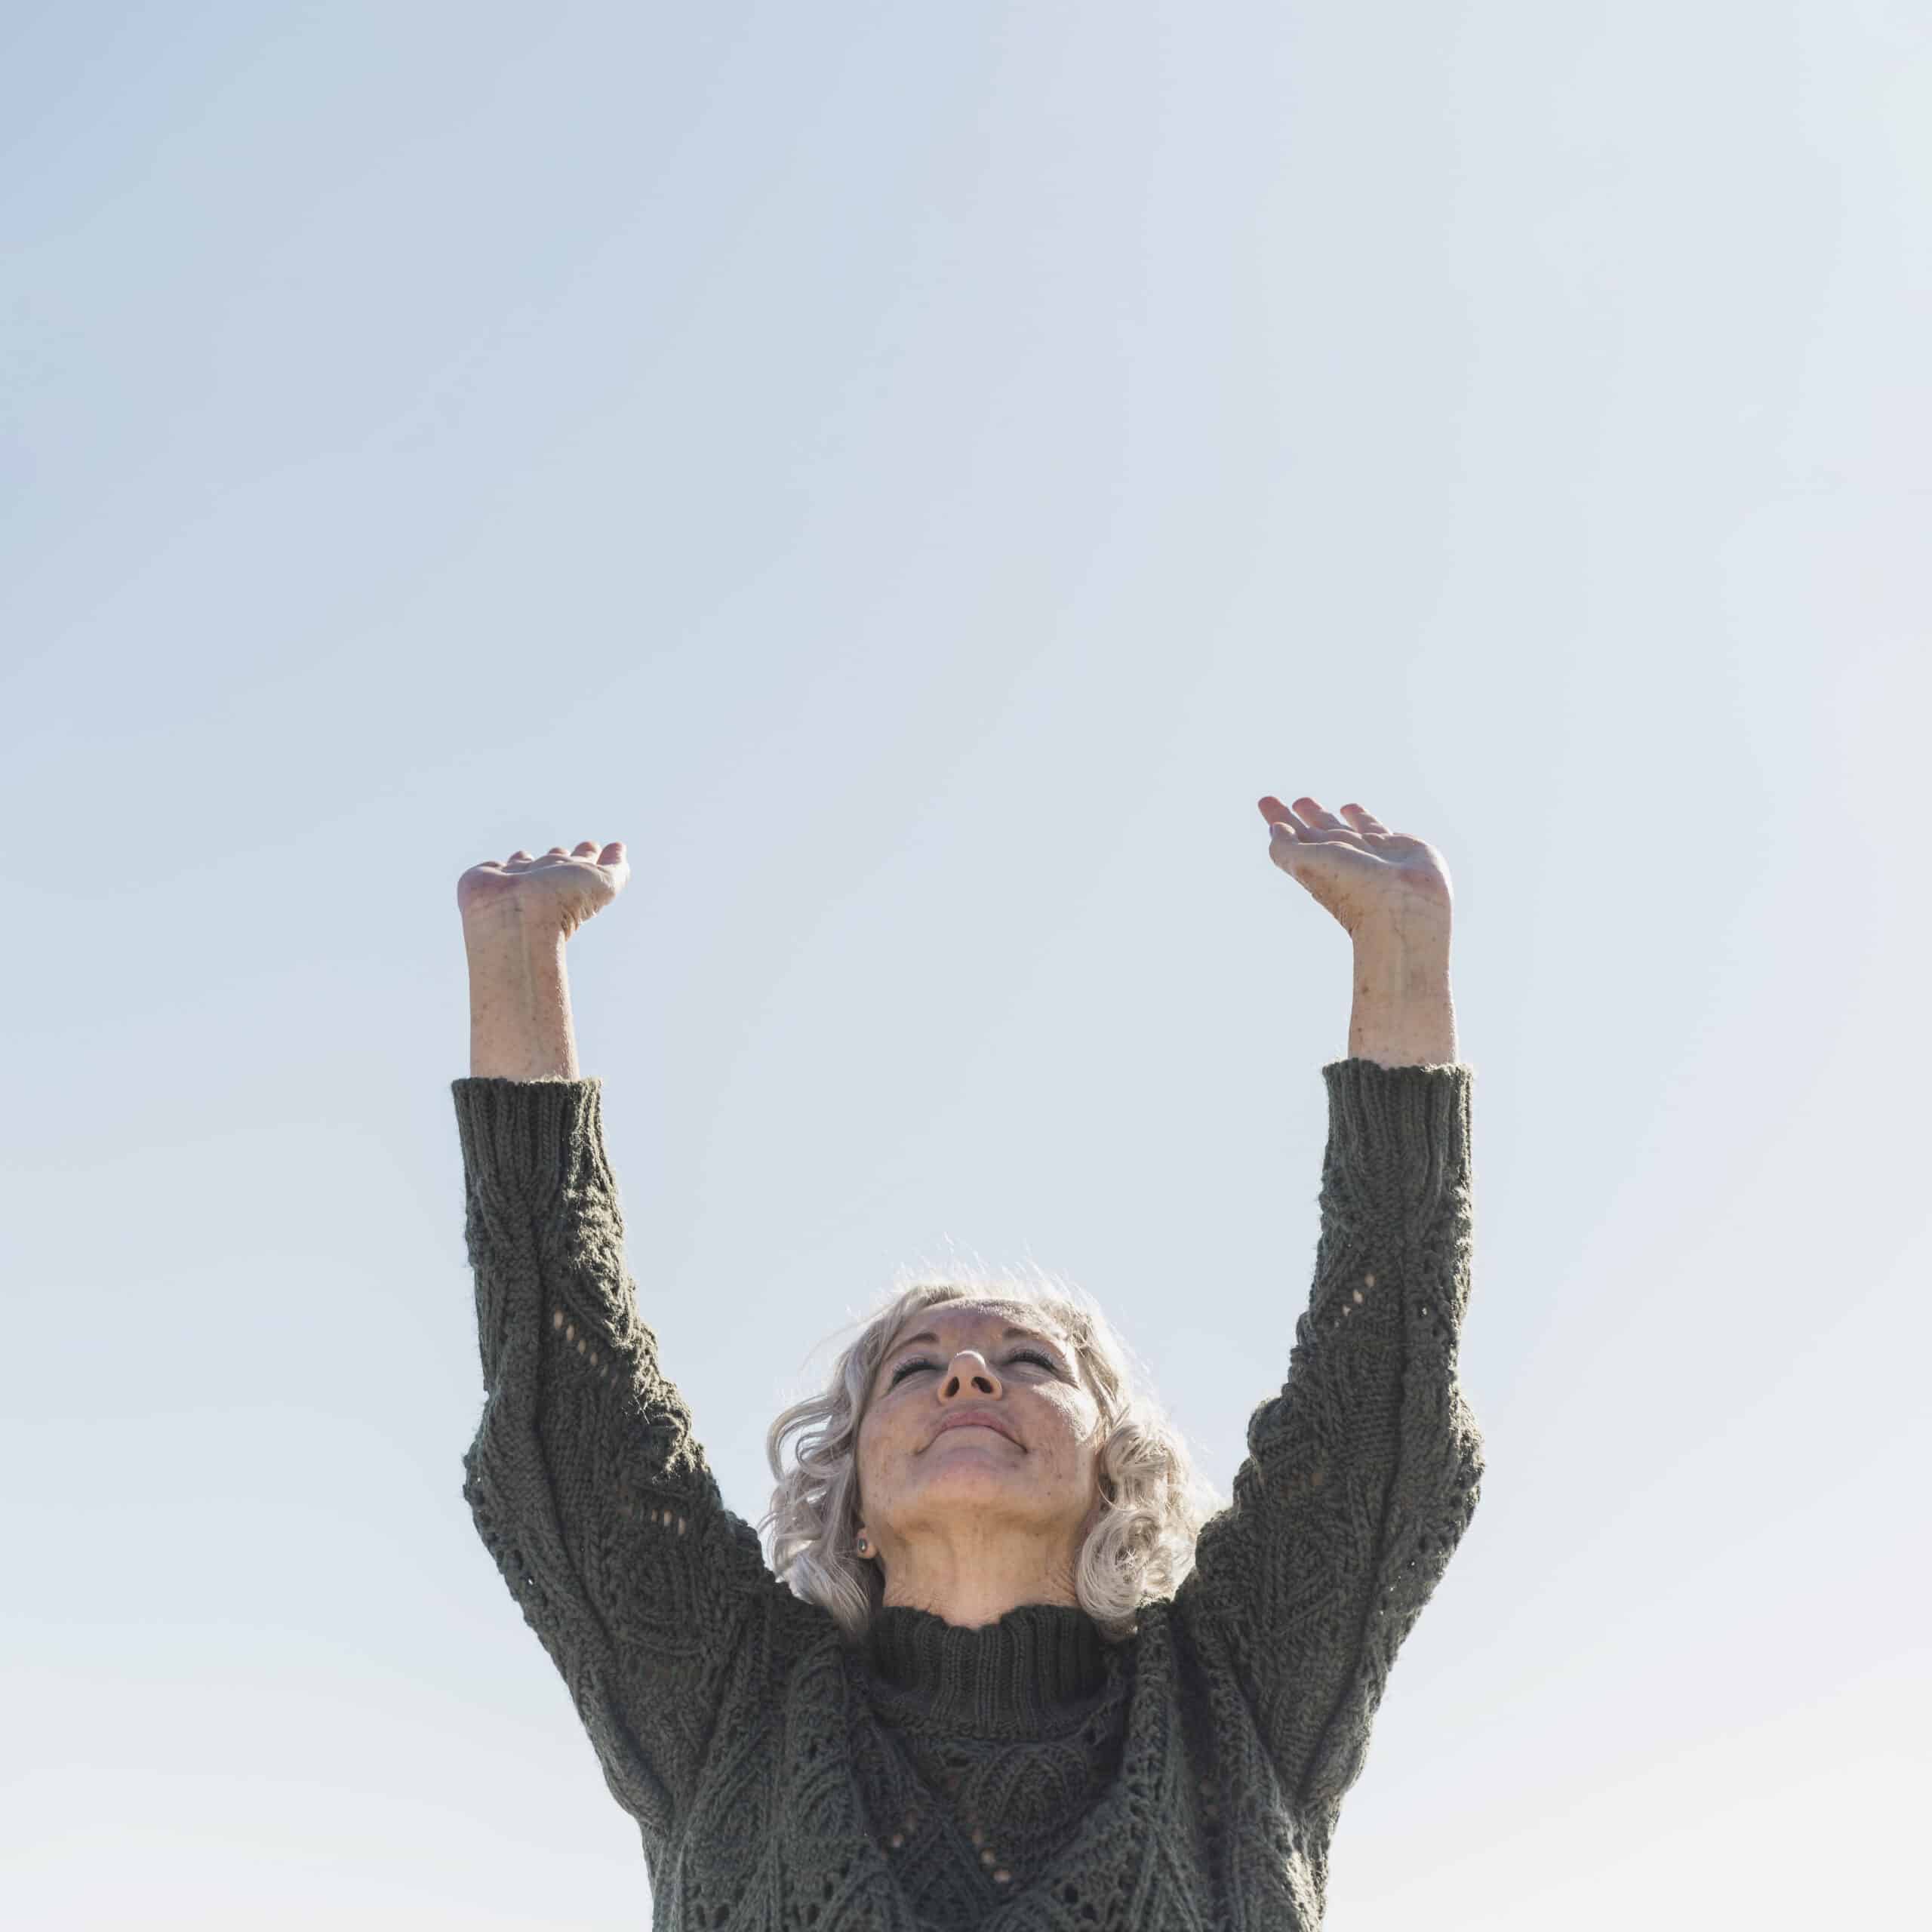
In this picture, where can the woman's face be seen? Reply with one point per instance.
(1022, 1485)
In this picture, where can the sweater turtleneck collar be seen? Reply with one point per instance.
(1027, 1673)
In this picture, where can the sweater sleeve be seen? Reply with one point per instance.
(1363, 1473)
(585, 1481)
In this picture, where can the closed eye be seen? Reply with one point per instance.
(906, 1368)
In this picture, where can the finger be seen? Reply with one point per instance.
(585, 848)
(558, 852)
(1312, 843)
(1294, 854)
(1275, 813)
(1363, 821)
(518, 853)
(613, 854)
(1313, 814)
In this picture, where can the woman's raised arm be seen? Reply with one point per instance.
(1363, 1471)
(585, 1479)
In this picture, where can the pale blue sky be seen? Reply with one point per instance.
(917, 475)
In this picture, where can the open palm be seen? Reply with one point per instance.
(1364, 874)
(556, 892)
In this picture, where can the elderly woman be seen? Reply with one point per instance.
(997, 1672)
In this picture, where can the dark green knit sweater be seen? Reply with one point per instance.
(1029, 1773)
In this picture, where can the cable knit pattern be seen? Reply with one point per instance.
(1029, 1776)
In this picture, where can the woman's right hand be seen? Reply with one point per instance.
(557, 892)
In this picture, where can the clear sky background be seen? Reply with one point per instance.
(918, 473)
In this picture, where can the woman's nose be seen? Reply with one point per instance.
(970, 1372)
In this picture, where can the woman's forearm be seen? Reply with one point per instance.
(519, 1002)
(1404, 1015)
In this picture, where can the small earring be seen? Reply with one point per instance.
(863, 1546)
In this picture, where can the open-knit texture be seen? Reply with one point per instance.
(1030, 1773)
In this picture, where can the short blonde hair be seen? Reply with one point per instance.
(1140, 1549)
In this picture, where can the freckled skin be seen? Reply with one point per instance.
(964, 1523)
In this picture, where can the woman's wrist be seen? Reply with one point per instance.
(1404, 1013)
(519, 1002)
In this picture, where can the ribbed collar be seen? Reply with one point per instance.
(1024, 1676)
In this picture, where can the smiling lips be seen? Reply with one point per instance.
(976, 1418)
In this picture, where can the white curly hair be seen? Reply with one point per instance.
(1140, 1549)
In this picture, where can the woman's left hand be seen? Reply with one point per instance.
(1376, 882)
